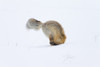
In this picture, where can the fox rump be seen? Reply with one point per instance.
(52, 29)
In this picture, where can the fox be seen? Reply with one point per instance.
(52, 29)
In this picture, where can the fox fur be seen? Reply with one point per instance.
(52, 29)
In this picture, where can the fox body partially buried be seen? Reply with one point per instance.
(52, 29)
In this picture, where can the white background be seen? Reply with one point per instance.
(20, 47)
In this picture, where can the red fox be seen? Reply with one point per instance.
(52, 29)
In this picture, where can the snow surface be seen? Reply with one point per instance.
(20, 47)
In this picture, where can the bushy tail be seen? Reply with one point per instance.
(33, 24)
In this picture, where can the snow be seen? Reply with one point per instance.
(20, 47)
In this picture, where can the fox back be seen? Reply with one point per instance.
(55, 30)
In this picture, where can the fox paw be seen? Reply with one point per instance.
(53, 44)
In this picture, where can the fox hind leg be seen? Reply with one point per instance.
(52, 41)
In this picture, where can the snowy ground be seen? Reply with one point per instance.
(28, 48)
